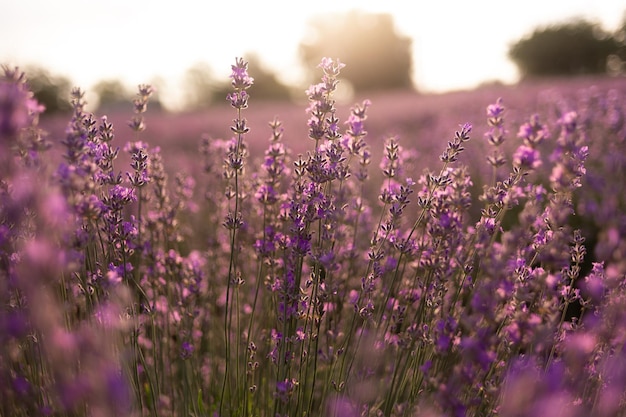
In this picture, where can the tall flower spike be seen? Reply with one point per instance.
(140, 104)
(331, 70)
(323, 122)
(455, 147)
(234, 164)
(241, 81)
(496, 133)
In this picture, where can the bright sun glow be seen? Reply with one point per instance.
(456, 44)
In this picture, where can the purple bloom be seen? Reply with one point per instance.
(239, 75)
(495, 112)
(238, 99)
(186, 350)
(569, 121)
(533, 132)
(527, 158)
(18, 108)
(122, 195)
(595, 285)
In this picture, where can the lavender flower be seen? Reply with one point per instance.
(526, 158)
(140, 105)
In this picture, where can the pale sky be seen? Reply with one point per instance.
(457, 44)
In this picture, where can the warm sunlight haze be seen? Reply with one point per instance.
(455, 44)
(334, 208)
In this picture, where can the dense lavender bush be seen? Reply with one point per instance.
(278, 288)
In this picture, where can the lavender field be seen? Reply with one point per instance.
(397, 255)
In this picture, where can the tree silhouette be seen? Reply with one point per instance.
(112, 93)
(199, 86)
(266, 86)
(578, 47)
(53, 91)
(617, 61)
(376, 56)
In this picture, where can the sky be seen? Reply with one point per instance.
(457, 44)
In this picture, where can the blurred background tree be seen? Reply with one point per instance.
(112, 94)
(53, 91)
(617, 62)
(266, 85)
(572, 48)
(376, 56)
(199, 86)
